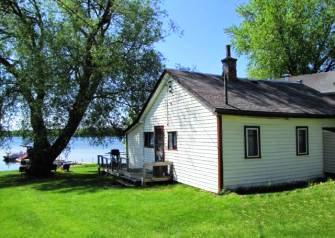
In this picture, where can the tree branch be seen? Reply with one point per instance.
(9, 66)
(88, 84)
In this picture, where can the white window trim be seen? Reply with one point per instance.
(302, 128)
(176, 134)
(257, 129)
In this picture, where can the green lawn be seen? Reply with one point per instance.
(81, 204)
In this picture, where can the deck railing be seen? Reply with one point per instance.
(117, 164)
(112, 163)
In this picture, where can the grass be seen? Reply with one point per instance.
(81, 204)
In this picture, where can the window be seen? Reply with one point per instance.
(149, 139)
(172, 140)
(252, 142)
(302, 140)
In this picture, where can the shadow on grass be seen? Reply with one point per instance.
(88, 181)
(280, 187)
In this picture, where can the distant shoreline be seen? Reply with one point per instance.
(107, 132)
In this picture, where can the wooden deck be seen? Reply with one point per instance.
(150, 173)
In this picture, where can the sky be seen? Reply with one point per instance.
(203, 42)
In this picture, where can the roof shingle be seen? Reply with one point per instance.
(253, 97)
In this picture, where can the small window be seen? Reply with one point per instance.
(149, 139)
(172, 140)
(252, 142)
(302, 140)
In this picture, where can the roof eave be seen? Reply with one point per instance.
(271, 114)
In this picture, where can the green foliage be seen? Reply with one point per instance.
(82, 204)
(81, 132)
(76, 64)
(288, 36)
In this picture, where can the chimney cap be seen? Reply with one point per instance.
(228, 51)
(228, 55)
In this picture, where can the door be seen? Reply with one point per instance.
(159, 143)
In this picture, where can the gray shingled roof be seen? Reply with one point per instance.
(256, 97)
(323, 82)
(252, 97)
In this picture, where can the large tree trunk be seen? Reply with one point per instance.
(43, 155)
(39, 156)
(41, 162)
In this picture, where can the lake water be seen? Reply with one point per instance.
(82, 150)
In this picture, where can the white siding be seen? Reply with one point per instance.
(279, 162)
(196, 159)
(329, 151)
(135, 147)
(156, 116)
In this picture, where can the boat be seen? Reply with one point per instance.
(15, 157)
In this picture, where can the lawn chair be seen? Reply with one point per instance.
(66, 167)
(115, 159)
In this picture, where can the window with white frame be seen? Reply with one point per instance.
(252, 142)
(302, 140)
(172, 140)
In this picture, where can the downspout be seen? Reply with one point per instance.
(225, 88)
(220, 156)
(167, 102)
(126, 145)
(127, 151)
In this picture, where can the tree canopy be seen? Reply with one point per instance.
(66, 64)
(286, 37)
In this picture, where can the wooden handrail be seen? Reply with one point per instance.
(158, 163)
(109, 162)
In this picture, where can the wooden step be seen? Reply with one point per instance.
(125, 183)
(131, 179)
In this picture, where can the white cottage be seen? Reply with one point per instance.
(222, 132)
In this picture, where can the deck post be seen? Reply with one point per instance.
(171, 171)
(99, 170)
(102, 162)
